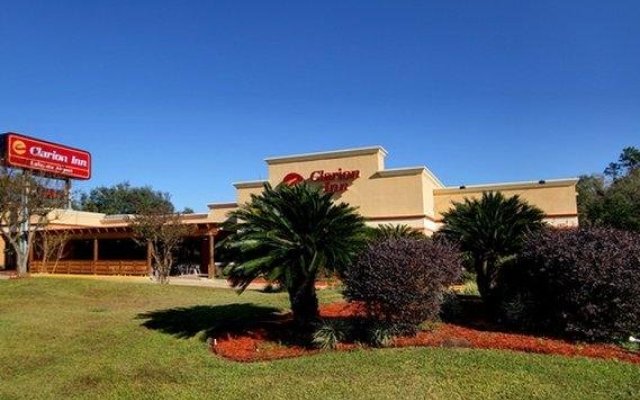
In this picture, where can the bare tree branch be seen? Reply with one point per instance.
(163, 231)
(27, 204)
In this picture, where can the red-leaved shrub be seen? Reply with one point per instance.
(579, 283)
(401, 281)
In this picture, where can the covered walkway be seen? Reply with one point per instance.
(111, 250)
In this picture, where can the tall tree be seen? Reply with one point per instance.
(289, 234)
(629, 159)
(620, 205)
(488, 229)
(28, 203)
(613, 171)
(613, 202)
(122, 198)
(591, 190)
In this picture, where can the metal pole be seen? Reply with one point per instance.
(24, 224)
(67, 192)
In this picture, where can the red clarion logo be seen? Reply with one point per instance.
(292, 178)
(332, 182)
(51, 158)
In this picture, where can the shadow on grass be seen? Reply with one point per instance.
(271, 324)
(232, 320)
(211, 321)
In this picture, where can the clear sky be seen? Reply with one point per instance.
(190, 96)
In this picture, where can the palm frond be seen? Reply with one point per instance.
(288, 233)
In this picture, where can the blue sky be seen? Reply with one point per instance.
(190, 96)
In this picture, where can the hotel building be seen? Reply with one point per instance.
(102, 244)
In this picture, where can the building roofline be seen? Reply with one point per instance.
(222, 205)
(507, 185)
(194, 215)
(249, 184)
(406, 171)
(401, 171)
(326, 154)
(114, 219)
(71, 211)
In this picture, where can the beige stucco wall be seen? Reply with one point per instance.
(74, 217)
(403, 193)
(244, 191)
(367, 164)
(375, 189)
(60, 217)
(412, 196)
(556, 199)
(218, 212)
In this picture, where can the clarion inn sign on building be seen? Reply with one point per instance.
(101, 244)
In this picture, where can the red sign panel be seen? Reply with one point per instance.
(53, 159)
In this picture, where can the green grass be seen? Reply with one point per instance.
(80, 338)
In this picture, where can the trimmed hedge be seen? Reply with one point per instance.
(401, 281)
(578, 283)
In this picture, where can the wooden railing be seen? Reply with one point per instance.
(102, 267)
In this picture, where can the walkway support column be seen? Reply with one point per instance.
(212, 262)
(45, 250)
(96, 250)
(30, 255)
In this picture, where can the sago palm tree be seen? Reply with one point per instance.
(289, 234)
(391, 231)
(488, 229)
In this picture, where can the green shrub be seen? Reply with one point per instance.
(380, 334)
(392, 231)
(330, 333)
(450, 309)
(489, 229)
(517, 311)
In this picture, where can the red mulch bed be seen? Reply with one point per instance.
(263, 343)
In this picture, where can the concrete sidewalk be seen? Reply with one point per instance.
(174, 280)
(7, 274)
(206, 282)
(187, 280)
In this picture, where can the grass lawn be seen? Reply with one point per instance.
(82, 338)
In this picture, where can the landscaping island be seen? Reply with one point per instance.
(264, 340)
